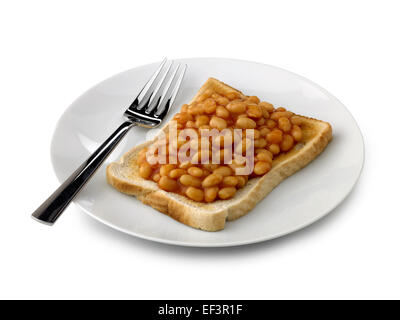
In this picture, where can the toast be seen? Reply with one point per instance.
(124, 176)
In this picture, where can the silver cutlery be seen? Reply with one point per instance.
(147, 110)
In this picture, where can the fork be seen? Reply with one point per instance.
(147, 110)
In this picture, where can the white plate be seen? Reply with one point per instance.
(297, 202)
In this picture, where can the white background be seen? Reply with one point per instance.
(52, 51)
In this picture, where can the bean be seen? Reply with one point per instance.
(258, 151)
(202, 120)
(296, 120)
(223, 171)
(145, 170)
(232, 95)
(210, 194)
(195, 172)
(274, 148)
(222, 101)
(267, 106)
(279, 114)
(203, 97)
(284, 124)
(260, 121)
(275, 136)
(222, 112)
(264, 131)
(209, 105)
(253, 99)
(260, 143)
(287, 142)
(271, 124)
(167, 184)
(241, 181)
(236, 107)
(183, 117)
(245, 123)
(230, 181)
(218, 123)
(254, 111)
(176, 173)
(166, 168)
(264, 156)
(195, 194)
(212, 180)
(195, 109)
(190, 181)
(297, 133)
(226, 193)
(262, 167)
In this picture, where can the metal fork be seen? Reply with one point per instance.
(147, 110)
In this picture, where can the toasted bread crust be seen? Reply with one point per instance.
(123, 176)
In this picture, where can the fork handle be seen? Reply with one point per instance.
(53, 207)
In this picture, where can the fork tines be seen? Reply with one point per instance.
(155, 99)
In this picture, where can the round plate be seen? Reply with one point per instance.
(297, 202)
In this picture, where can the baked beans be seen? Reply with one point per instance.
(212, 180)
(167, 184)
(145, 171)
(166, 168)
(230, 181)
(287, 142)
(210, 194)
(176, 173)
(190, 181)
(226, 193)
(195, 194)
(195, 172)
(262, 167)
(275, 131)
(284, 124)
(297, 133)
(254, 111)
(236, 107)
(222, 112)
(223, 171)
(245, 123)
(218, 123)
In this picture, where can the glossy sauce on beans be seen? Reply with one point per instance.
(276, 131)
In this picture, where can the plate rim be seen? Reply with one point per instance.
(219, 244)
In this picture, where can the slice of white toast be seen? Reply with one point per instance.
(124, 176)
